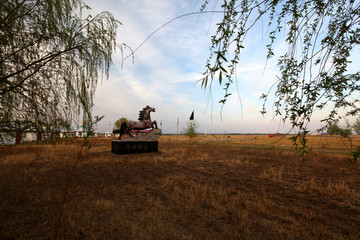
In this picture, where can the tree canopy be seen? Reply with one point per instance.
(117, 124)
(313, 73)
(52, 55)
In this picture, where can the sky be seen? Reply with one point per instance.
(166, 68)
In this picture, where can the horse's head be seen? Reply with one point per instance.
(149, 109)
(145, 113)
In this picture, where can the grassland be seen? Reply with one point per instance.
(218, 187)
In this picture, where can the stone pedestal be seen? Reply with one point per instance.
(146, 143)
(131, 147)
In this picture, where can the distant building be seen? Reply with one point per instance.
(32, 136)
(81, 131)
(66, 134)
(7, 138)
(108, 134)
(18, 134)
(10, 134)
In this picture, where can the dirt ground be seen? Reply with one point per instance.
(226, 189)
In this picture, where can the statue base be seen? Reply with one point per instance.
(140, 144)
(122, 147)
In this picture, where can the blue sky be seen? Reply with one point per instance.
(166, 69)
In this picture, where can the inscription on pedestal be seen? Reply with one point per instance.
(131, 147)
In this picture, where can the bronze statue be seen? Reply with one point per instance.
(143, 123)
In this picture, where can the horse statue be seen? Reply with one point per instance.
(143, 123)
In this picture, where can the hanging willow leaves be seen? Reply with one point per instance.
(51, 58)
(322, 36)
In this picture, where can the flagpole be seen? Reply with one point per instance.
(177, 126)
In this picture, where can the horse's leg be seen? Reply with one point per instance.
(123, 128)
(154, 123)
(128, 131)
(120, 135)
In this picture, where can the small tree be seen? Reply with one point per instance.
(117, 124)
(190, 131)
(335, 129)
(356, 126)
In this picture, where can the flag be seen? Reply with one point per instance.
(177, 125)
(192, 116)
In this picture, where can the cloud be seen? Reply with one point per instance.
(168, 65)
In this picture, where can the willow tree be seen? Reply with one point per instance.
(313, 72)
(52, 55)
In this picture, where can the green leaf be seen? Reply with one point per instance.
(223, 69)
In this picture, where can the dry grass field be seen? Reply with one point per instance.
(217, 187)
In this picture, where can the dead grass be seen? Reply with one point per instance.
(211, 189)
